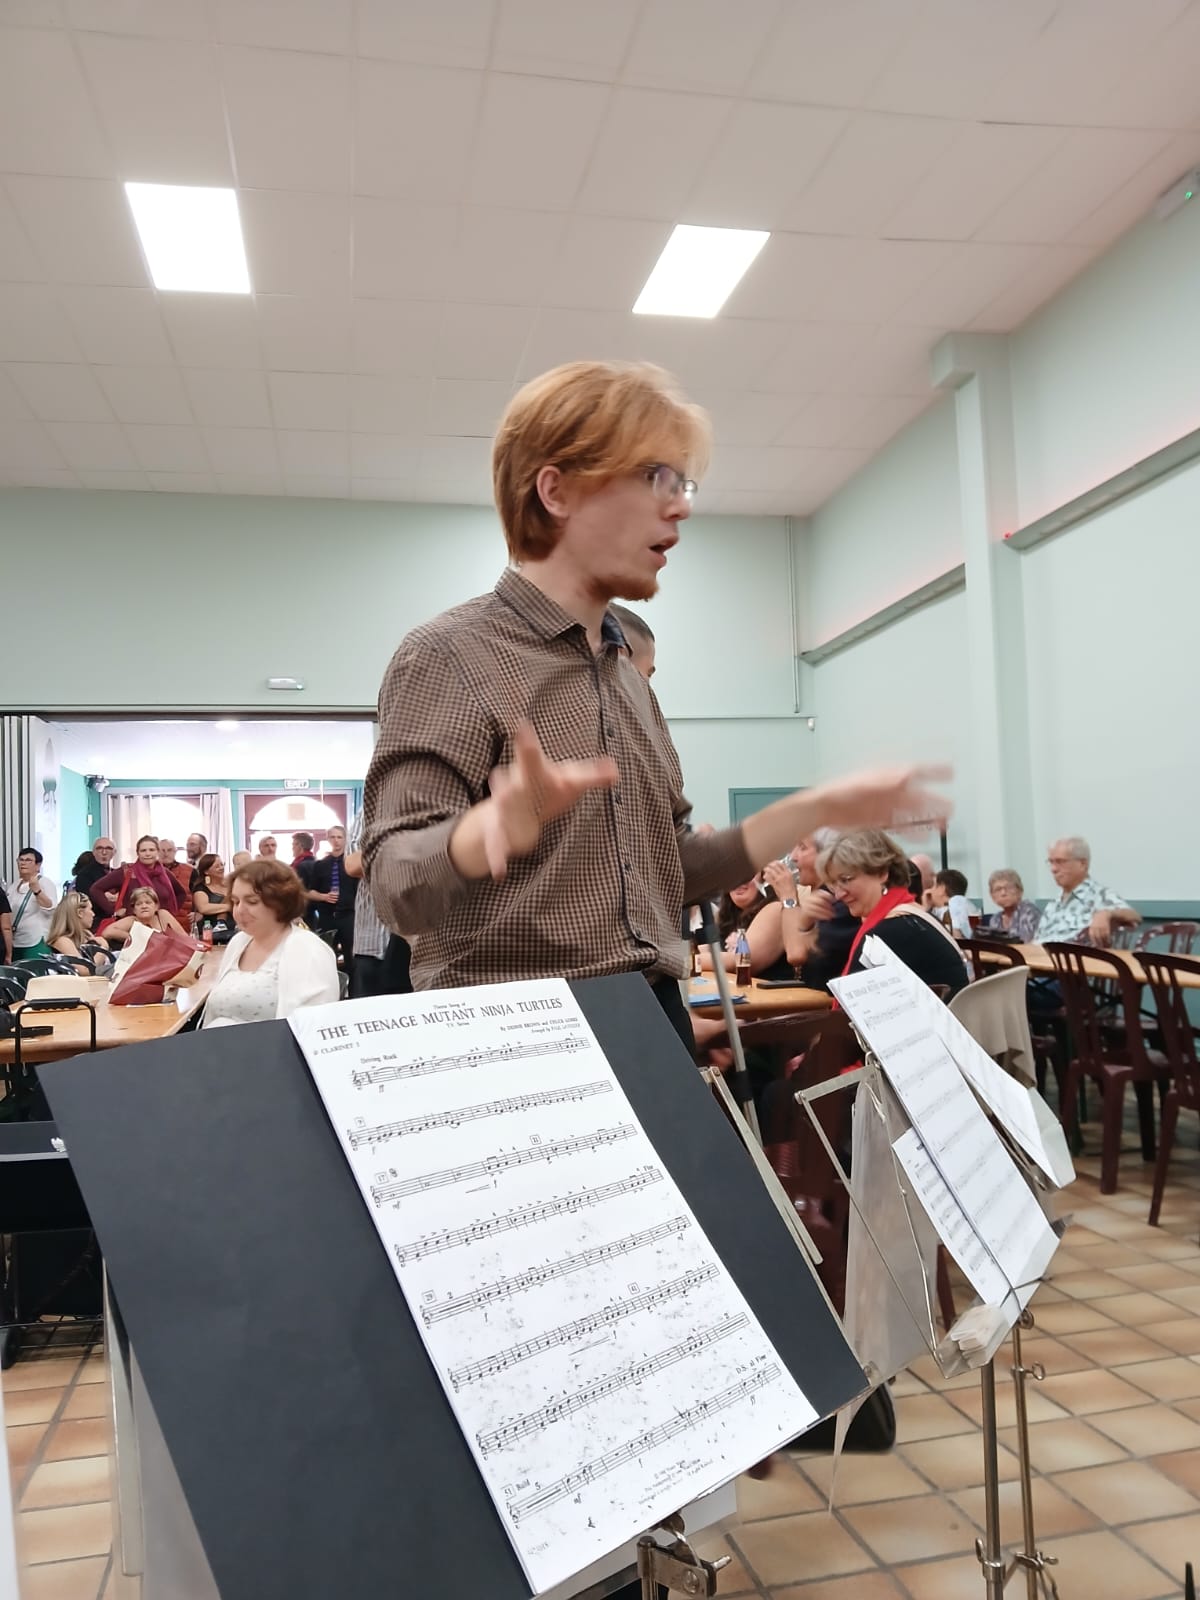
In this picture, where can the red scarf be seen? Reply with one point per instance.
(888, 902)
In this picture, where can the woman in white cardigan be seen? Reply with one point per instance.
(274, 964)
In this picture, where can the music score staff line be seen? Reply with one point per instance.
(393, 1071)
(534, 1277)
(525, 1216)
(383, 1193)
(568, 1094)
(519, 1510)
(567, 1332)
(635, 1372)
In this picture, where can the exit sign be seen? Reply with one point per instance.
(295, 783)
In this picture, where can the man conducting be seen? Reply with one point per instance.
(524, 814)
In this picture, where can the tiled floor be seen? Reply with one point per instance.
(1115, 1435)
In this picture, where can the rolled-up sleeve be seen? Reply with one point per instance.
(435, 753)
(713, 863)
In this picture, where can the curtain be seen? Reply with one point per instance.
(128, 820)
(216, 806)
(16, 790)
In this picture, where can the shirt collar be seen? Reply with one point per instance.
(1083, 887)
(545, 616)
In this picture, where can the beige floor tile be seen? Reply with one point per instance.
(1185, 1299)
(1040, 1405)
(863, 1478)
(64, 1580)
(1181, 1466)
(1172, 1542)
(77, 1482)
(1140, 1310)
(1156, 1276)
(87, 1400)
(1090, 1285)
(906, 1383)
(1127, 1491)
(1149, 1430)
(1060, 1446)
(1165, 1247)
(31, 1405)
(93, 1368)
(731, 1580)
(23, 1445)
(863, 1586)
(928, 1417)
(1189, 1408)
(1053, 1513)
(44, 1372)
(957, 1463)
(1103, 1565)
(907, 1530)
(1174, 1378)
(800, 1549)
(1081, 1393)
(1072, 1316)
(89, 1436)
(1106, 1256)
(1065, 1260)
(781, 1494)
(1056, 1355)
(65, 1533)
(956, 1579)
(1111, 1347)
(1183, 1335)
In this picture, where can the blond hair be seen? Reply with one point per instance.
(594, 421)
(866, 850)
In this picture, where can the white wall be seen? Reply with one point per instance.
(1106, 373)
(895, 526)
(901, 695)
(324, 590)
(1110, 619)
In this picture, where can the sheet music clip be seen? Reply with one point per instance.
(675, 1567)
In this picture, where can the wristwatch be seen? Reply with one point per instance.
(789, 905)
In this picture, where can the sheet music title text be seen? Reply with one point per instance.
(346, 1030)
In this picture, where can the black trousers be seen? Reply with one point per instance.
(386, 974)
(666, 992)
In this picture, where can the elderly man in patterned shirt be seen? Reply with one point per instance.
(524, 814)
(1086, 912)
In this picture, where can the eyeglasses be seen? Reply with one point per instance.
(667, 483)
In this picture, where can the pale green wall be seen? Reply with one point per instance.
(75, 800)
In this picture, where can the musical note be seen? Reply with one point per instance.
(525, 1216)
(569, 1332)
(500, 1438)
(396, 1071)
(357, 1137)
(382, 1193)
(518, 1510)
(534, 1277)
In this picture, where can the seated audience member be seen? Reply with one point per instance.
(640, 644)
(268, 847)
(868, 873)
(110, 894)
(949, 902)
(274, 964)
(5, 928)
(71, 932)
(925, 867)
(241, 858)
(144, 907)
(105, 852)
(1085, 912)
(181, 872)
(752, 909)
(1017, 917)
(197, 846)
(32, 899)
(84, 873)
(210, 902)
(817, 929)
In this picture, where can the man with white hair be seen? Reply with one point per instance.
(1086, 912)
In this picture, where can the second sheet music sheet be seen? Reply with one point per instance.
(602, 1363)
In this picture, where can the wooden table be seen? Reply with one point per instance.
(115, 1025)
(1037, 959)
(758, 1002)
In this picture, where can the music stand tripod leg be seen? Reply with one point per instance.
(1033, 1561)
(988, 1549)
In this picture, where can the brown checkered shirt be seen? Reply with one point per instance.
(605, 889)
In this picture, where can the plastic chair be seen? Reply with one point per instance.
(1111, 1063)
(1180, 937)
(993, 1013)
(17, 975)
(1177, 1036)
(48, 966)
(1004, 955)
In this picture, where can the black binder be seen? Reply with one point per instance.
(310, 1433)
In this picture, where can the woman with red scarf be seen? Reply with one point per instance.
(110, 894)
(869, 873)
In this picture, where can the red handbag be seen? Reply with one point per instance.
(168, 957)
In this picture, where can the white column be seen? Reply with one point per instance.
(975, 368)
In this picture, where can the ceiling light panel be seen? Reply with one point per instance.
(191, 237)
(698, 270)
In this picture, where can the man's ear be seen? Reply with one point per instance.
(552, 492)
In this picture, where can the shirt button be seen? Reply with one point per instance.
(626, 866)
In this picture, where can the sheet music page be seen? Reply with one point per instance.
(1008, 1101)
(603, 1365)
(960, 1142)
